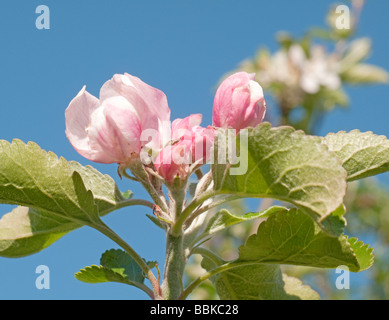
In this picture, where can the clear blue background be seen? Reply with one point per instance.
(181, 47)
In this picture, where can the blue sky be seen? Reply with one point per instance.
(181, 47)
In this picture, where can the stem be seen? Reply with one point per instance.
(138, 170)
(144, 288)
(172, 286)
(357, 10)
(177, 228)
(265, 203)
(175, 256)
(104, 229)
(174, 267)
(204, 184)
(157, 198)
(135, 202)
(201, 210)
(209, 254)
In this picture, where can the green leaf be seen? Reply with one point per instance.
(59, 194)
(157, 222)
(291, 237)
(99, 274)
(121, 262)
(363, 154)
(152, 264)
(363, 252)
(296, 290)
(33, 178)
(286, 165)
(116, 266)
(25, 231)
(106, 193)
(287, 237)
(258, 282)
(224, 219)
(128, 194)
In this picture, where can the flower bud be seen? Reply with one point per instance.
(173, 161)
(239, 102)
(190, 145)
(109, 129)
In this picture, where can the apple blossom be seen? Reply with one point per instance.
(239, 102)
(109, 129)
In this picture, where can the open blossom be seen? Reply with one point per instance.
(300, 72)
(319, 70)
(239, 102)
(109, 129)
(190, 144)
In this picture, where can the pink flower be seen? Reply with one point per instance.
(239, 102)
(190, 145)
(109, 129)
(173, 161)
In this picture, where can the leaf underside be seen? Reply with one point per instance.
(363, 154)
(291, 237)
(286, 165)
(258, 282)
(54, 197)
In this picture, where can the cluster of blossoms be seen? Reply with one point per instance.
(294, 68)
(131, 121)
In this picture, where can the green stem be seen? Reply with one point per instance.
(174, 267)
(209, 254)
(144, 288)
(139, 172)
(135, 202)
(201, 210)
(177, 227)
(175, 256)
(157, 198)
(104, 229)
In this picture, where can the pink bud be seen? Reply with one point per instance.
(239, 102)
(109, 129)
(190, 145)
(173, 161)
(198, 138)
(202, 142)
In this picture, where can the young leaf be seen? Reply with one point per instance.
(122, 263)
(291, 237)
(258, 282)
(363, 252)
(224, 219)
(128, 194)
(287, 165)
(116, 266)
(157, 222)
(363, 73)
(357, 51)
(98, 274)
(363, 154)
